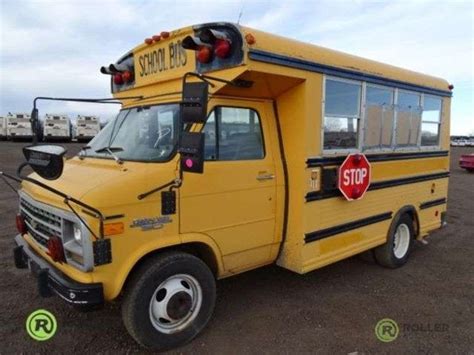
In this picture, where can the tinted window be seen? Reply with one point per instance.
(233, 134)
(341, 114)
(431, 117)
(342, 98)
(432, 109)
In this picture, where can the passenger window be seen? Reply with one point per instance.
(430, 121)
(341, 114)
(378, 117)
(408, 119)
(233, 134)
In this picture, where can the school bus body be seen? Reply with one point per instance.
(283, 208)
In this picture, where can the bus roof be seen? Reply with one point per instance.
(280, 50)
(165, 60)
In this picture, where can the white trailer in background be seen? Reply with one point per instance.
(87, 127)
(3, 128)
(19, 126)
(57, 127)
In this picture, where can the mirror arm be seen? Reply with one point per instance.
(174, 184)
(34, 120)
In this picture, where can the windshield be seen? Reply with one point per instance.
(138, 134)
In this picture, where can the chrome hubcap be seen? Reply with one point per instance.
(401, 241)
(175, 303)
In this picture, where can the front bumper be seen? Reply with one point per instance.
(52, 281)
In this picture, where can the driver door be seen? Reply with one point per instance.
(234, 200)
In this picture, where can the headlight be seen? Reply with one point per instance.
(77, 233)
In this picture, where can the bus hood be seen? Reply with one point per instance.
(101, 183)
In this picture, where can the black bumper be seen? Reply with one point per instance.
(52, 281)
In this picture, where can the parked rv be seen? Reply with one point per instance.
(57, 127)
(19, 126)
(87, 127)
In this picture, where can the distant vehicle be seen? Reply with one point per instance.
(19, 126)
(87, 127)
(3, 128)
(467, 162)
(57, 127)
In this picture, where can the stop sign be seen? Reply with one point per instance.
(354, 176)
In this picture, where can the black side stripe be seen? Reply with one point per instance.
(409, 180)
(316, 162)
(432, 203)
(292, 62)
(321, 195)
(328, 232)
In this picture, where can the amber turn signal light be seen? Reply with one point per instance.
(113, 228)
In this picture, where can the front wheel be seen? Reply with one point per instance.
(169, 300)
(394, 253)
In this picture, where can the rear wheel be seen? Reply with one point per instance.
(169, 301)
(394, 253)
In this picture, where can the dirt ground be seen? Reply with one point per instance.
(271, 310)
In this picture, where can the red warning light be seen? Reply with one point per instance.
(118, 80)
(222, 48)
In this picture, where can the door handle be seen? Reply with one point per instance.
(262, 177)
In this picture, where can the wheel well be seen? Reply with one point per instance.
(199, 250)
(410, 211)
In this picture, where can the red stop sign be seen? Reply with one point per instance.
(354, 176)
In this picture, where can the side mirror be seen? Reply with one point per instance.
(45, 160)
(193, 110)
(194, 103)
(192, 152)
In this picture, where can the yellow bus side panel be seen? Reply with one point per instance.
(336, 211)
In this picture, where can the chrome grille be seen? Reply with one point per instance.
(44, 221)
(41, 224)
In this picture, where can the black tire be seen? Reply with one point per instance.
(385, 254)
(141, 288)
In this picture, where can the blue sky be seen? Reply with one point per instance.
(55, 48)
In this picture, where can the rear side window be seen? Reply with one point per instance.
(341, 114)
(233, 133)
(430, 121)
(379, 114)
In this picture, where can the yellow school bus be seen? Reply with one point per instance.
(226, 156)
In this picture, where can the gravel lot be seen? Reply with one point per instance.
(272, 310)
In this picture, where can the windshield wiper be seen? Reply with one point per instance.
(111, 151)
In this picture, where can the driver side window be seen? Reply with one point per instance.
(233, 133)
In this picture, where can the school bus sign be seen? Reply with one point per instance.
(354, 176)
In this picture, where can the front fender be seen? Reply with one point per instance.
(114, 276)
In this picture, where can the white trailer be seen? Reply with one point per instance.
(19, 126)
(87, 127)
(3, 128)
(57, 127)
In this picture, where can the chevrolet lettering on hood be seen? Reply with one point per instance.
(150, 223)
